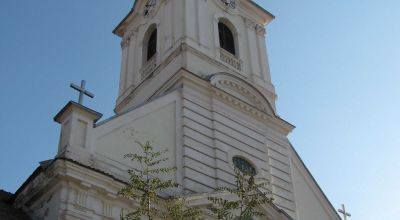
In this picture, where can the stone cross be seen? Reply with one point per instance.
(345, 214)
(82, 91)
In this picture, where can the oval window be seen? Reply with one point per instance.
(244, 166)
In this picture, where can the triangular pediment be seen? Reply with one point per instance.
(243, 90)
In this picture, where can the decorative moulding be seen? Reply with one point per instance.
(243, 96)
(242, 90)
(230, 59)
(127, 38)
(258, 28)
(149, 67)
(229, 3)
(230, 6)
(151, 7)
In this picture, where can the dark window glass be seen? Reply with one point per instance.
(244, 166)
(226, 40)
(152, 45)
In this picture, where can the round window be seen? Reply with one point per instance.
(244, 166)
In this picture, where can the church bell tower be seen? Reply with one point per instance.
(203, 37)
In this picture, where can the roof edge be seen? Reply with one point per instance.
(262, 9)
(314, 180)
(115, 31)
(97, 115)
(34, 174)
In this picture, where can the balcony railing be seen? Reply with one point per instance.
(230, 59)
(149, 67)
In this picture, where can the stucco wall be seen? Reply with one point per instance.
(154, 122)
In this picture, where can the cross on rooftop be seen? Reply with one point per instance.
(345, 214)
(82, 91)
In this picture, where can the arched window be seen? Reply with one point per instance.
(244, 166)
(152, 45)
(226, 39)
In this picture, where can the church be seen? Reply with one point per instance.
(194, 80)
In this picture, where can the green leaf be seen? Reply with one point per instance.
(251, 194)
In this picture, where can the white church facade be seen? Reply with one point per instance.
(194, 80)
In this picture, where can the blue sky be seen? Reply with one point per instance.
(335, 65)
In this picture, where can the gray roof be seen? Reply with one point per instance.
(7, 211)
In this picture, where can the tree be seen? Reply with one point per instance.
(144, 188)
(248, 197)
(176, 209)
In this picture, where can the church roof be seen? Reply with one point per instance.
(7, 211)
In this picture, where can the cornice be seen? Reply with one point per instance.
(253, 111)
(257, 112)
(203, 85)
(257, 10)
(244, 88)
(253, 25)
(128, 35)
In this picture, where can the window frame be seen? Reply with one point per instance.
(244, 162)
(227, 38)
(151, 45)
